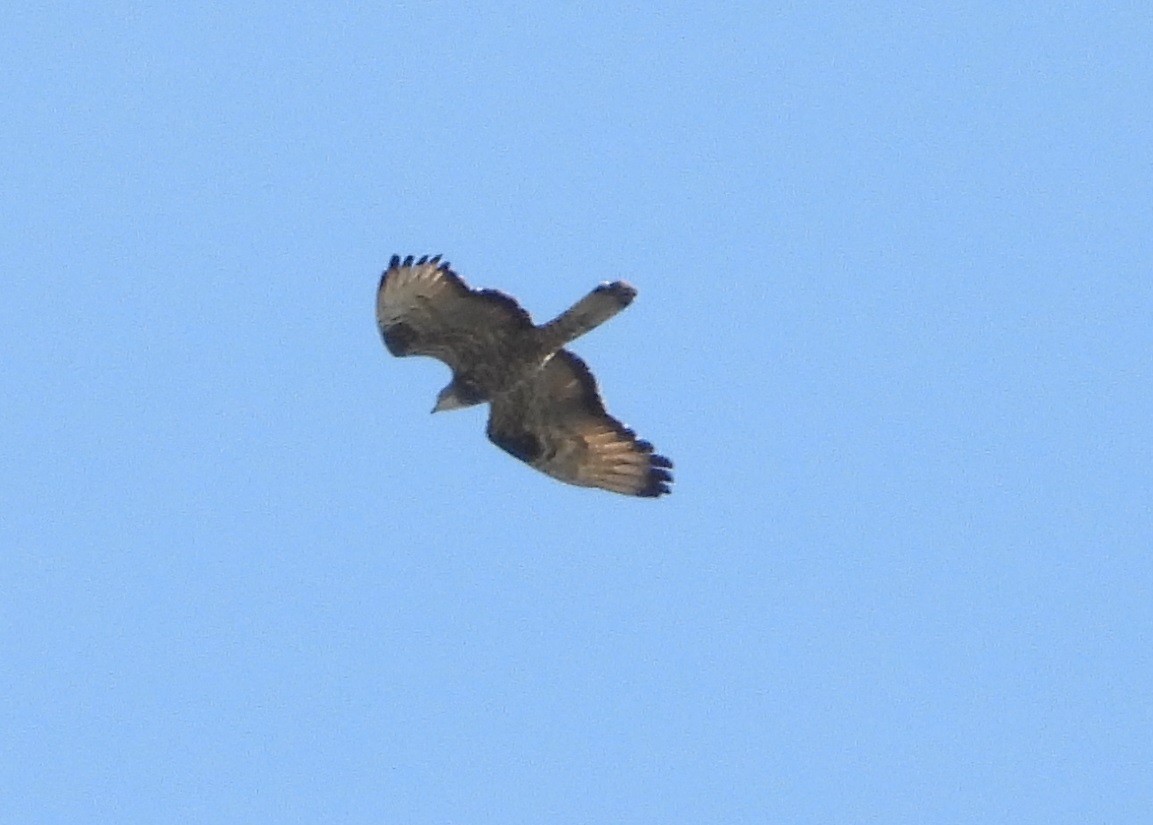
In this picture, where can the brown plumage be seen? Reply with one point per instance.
(545, 407)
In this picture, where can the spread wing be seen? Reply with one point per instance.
(424, 308)
(557, 423)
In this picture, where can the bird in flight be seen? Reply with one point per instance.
(544, 406)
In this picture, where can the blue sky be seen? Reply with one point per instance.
(893, 326)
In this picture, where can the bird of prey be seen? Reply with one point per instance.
(545, 408)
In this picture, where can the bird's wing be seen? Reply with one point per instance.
(424, 308)
(557, 423)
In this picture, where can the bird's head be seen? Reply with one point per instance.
(458, 394)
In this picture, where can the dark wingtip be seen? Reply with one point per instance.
(655, 489)
(412, 260)
(659, 478)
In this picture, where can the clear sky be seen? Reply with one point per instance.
(895, 274)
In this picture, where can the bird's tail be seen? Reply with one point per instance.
(588, 313)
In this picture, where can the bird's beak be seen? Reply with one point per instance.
(446, 401)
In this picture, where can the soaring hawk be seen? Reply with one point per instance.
(544, 405)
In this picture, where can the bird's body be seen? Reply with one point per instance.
(545, 407)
